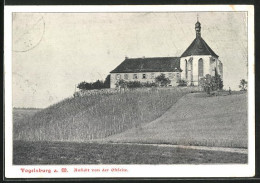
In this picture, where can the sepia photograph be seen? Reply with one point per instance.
(113, 90)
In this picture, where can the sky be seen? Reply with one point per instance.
(53, 52)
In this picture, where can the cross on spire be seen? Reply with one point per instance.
(197, 17)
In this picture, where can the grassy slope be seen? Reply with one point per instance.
(196, 120)
(97, 116)
(21, 113)
(39, 153)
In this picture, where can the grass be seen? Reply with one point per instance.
(196, 119)
(21, 113)
(97, 116)
(40, 153)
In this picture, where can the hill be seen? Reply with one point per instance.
(21, 113)
(196, 120)
(97, 116)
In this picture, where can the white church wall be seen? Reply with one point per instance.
(206, 67)
(183, 67)
(215, 63)
(220, 69)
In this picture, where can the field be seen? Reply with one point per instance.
(28, 153)
(22, 113)
(196, 119)
(97, 116)
(96, 129)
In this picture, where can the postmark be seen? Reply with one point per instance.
(28, 31)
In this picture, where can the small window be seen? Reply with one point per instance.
(178, 75)
(170, 75)
(118, 76)
(152, 75)
(144, 76)
(126, 76)
(135, 76)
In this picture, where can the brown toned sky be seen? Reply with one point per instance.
(75, 47)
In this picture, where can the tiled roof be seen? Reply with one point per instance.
(199, 47)
(155, 64)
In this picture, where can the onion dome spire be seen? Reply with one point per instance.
(198, 27)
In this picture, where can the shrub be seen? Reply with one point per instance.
(211, 83)
(243, 85)
(134, 84)
(182, 82)
(162, 80)
(149, 84)
(121, 83)
(92, 85)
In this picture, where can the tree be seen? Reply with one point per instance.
(84, 86)
(81, 85)
(218, 83)
(243, 85)
(91, 86)
(208, 84)
(98, 84)
(162, 80)
(211, 83)
(107, 81)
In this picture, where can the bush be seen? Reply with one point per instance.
(243, 85)
(92, 85)
(134, 84)
(182, 82)
(162, 80)
(211, 83)
(121, 84)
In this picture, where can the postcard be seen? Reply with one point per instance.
(129, 91)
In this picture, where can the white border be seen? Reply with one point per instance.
(247, 170)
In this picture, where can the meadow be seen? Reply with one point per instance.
(97, 116)
(196, 119)
(21, 113)
(80, 130)
(44, 153)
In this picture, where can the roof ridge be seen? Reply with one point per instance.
(194, 48)
(153, 64)
(150, 57)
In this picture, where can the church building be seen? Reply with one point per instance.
(196, 62)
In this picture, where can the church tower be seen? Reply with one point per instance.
(198, 29)
(199, 59)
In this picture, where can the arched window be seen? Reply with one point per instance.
(200, 68)
(186, 69)
(190, 69)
